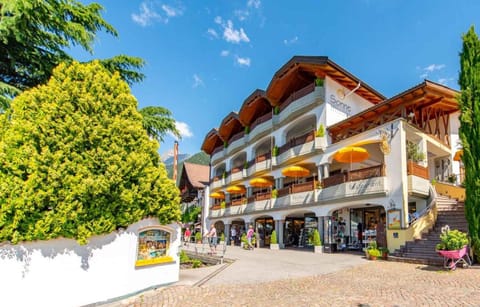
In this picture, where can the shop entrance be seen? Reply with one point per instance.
(264, 228)
(299, 231)
(367, 225)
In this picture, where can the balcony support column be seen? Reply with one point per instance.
(279, 225)
(227, 234)
(326, 170)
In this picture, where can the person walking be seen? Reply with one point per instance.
(212, 239)
(233, 235)
(250, 234)
(186, 236)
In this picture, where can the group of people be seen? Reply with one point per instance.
(212, 237)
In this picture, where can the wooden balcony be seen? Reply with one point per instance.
(297, 95)
(364, 173)
(239, 202)
(417, 170)
(296, 141)
(260, 120)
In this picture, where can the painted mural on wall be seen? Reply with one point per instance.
(153, 247)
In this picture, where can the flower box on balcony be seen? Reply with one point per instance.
(320, 143)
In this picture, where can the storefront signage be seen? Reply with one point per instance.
(394, 219)
(339, 105)
(153, 247)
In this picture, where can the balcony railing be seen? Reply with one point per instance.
(417, 170)
(364, 173)
(299, 140)
(298, 94)
(238, 202)
(260, 120)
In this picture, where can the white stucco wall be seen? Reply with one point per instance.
(63, 273)
(339, 108)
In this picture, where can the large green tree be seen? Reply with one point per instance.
(76, 161)
(34, 35)
(469, 102)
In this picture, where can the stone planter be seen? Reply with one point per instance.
(318, 249)
(274, 246)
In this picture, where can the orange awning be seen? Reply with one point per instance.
(295, 171)
(351, 154)
(217, 195)
(458, 155)
(260, 182)
(236, 189)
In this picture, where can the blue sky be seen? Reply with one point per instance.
(205, 57)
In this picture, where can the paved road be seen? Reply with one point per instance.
(296, 278)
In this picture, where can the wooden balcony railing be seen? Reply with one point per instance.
(238, 202)
(236, 137)
(299, 140)
(296, 95)
(236, 170)
(302, 187)
(263, 157)
(417, 170)
(218, 149)
(364, 173)
(261, 119)
(263, 196)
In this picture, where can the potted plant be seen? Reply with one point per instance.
(453, 246)
(413, 152)
(320, 140)
(317, 243)
(374, 253)
(452, 240)
(319, 82)
(223, 204)
(198, 237)
(274, 193)
(276, 110)
(273, 241)
(385, 252)
(222, 238)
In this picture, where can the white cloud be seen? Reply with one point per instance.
(224, 53)
(423, 76)
(433, 67)
(218, 20)
(146, 16)
(184, 129)
(197, 81)
(253, 3)
(172, 11)
(232, 35)
(243, 61)
(212, 33)
(241, 14)
(290, 41)
(444, 81)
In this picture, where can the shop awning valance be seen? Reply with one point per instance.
(260, 182)
(295, 171)
(236, 189)
(217, 195)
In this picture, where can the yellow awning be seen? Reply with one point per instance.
(351, 154)
(236, 189)
(458, 155)
(260, 182)
(217, 195)
(295, 171)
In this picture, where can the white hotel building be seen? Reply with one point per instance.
(272, 167)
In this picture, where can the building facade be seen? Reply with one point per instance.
(320, 149)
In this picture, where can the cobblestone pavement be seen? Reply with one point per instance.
(374, 283)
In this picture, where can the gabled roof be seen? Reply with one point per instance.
(302, 70)
(197, 174)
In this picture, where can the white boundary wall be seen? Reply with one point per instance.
(63, 273)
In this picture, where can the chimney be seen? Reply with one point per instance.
(175, 160)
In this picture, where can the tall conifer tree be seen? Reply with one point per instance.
(469, 102)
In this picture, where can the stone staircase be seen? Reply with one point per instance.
(449, 212)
